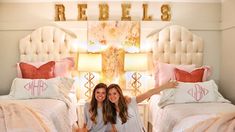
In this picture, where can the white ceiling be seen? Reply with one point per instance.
(44, 1)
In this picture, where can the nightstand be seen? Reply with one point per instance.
(143, 111)
(80, 112)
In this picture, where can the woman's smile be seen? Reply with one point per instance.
(113, 95)
(100, 94)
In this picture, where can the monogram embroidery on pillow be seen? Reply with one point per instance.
(36, 87)
(198, 92)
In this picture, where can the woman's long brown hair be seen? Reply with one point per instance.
(122, 105)
(94, 104)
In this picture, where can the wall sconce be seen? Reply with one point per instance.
(89, 63)
(135, 63)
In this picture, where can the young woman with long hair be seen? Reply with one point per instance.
(123, 115)
(95, 112)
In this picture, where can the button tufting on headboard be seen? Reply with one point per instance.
(44, 44)
(177, 45)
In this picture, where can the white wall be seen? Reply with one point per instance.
(227, 72)
(19, 19)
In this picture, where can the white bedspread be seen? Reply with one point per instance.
(220, 123)
(169, 118)
(59, 116)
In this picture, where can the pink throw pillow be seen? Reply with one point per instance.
(194, 76)
(207, 73)
(62, 68)
(165, 72)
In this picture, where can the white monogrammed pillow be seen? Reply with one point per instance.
(196, 92)
(192, 93)
(36, 88)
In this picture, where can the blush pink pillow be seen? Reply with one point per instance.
(207, 73)
(194, 76)
(45, 71)
(62, 68)
(165, 72)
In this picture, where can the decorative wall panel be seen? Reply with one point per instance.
(113, 39)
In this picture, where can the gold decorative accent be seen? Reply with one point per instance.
(166, 12)
(112, 66)
(104, 12)
(145, 13)
(89, 84)
(136, 83)
(82, 12)
(89, 63)
(126, 12)
(59, 12)
(136, 62)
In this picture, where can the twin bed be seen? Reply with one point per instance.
(180, 117)
(56, 109)
(47, 102)
(193, 105)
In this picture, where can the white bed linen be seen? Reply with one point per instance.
(165, 119)
(190, 121)
(56, 112)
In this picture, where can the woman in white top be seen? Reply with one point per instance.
(95, 112)
(123, 115)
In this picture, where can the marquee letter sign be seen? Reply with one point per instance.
(59, 9)
(126, 12)
(82, 11)
(104, 12)
(145, 13)
(165, 10)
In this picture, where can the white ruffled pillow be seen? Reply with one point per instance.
(40, 88)
(192, 93)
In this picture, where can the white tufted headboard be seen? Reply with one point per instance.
(46, 43)
(177, 45)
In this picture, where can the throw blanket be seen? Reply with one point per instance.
(221, 123)
(16, 117)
